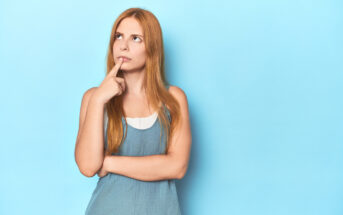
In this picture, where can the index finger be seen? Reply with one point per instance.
(116, 68)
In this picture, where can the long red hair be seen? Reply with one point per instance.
(154, 82)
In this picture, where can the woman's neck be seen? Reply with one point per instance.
(134, 82)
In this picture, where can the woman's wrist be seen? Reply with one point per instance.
(106, 163)
(96, 99)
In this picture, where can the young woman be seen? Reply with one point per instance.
(134, 129)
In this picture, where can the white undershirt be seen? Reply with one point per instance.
(138, 122)
(142, 122)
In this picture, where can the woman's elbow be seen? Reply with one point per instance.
(88, 173)
(182, 172)
(89, 170)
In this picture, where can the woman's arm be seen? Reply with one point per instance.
(145, 168)
(89, 148)
(159, 167)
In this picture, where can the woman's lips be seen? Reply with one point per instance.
(125, 59)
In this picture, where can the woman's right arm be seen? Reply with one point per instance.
(89, 148)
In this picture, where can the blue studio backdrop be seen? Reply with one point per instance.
(264, 81)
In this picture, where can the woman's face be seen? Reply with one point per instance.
(128, 42)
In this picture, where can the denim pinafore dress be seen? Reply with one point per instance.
(117, 194)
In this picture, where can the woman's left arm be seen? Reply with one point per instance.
(173, 165)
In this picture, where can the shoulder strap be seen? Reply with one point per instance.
(166, 110)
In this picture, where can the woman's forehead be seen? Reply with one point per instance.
(129, 26)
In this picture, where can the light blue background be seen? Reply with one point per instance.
(264, 81)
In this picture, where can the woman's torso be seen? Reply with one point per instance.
(118, 194)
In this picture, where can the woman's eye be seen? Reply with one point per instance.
(138, 38)
(135, 37)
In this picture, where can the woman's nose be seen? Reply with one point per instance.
(123, 45)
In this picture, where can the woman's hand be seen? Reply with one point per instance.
(103, 170)
(111, 85)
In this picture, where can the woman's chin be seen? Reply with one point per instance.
(129, 69)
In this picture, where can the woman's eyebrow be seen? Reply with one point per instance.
(131, 34)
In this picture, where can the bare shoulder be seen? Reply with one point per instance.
(179, 95)
(89, 92)
(83, 109)
(85, 100)
(86, 97)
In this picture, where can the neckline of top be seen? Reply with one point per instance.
(141, 129)
(145, 117)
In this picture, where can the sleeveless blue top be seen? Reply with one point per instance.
(117, 194)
